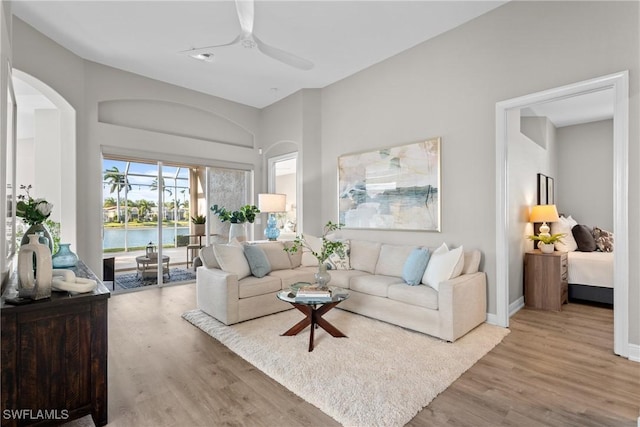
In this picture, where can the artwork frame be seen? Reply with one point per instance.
(392, 188)
(546, 192)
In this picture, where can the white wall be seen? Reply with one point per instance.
(5, 55)
(449, 86)
(584, 188)
(527, 158)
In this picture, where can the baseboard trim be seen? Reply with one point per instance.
(515, 306)
(492, 319)
(634, 356)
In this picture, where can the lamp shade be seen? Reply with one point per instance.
(544, 213)
(271, 202)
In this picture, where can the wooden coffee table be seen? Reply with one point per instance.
(313, 312)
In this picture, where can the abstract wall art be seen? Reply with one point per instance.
(396, 188)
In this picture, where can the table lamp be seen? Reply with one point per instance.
(544, 214)
(272, 203)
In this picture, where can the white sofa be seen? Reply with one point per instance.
(228, 291)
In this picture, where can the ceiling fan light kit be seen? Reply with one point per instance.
(246, 38)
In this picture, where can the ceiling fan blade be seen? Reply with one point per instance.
(206, 49)
(282, 56)
(245, 15)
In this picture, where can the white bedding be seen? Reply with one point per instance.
(591, 268)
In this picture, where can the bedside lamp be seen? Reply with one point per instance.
(544, 214)
(272, 203)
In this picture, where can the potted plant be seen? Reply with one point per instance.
(328, 248)
(238, 218)
(546, 241)
(199, 222)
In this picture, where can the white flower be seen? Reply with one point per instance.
(44, 207)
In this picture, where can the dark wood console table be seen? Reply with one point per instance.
(54, 357)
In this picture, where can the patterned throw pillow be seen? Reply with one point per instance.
(604, 239)
(340, 261)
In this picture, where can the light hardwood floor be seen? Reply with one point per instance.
(553, 369)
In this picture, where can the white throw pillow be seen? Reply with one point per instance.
(232, 260)
(444, 264)
(564, 225)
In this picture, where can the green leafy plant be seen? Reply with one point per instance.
(328, 246)
(199, 219)
(246, 213)
(547, 239)
(32, 211)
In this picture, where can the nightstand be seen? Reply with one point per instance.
(545, 280)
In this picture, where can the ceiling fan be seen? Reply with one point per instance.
(248, 39)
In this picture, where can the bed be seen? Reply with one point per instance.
(590, 276)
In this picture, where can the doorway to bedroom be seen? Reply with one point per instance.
(511, 205)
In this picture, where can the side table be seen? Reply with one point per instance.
(545, 280)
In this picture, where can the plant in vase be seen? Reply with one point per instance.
(199, 222)
(238, 218)
(328, 248)
(546, 241)
(34, 212)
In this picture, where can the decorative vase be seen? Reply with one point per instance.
(546, 248)
(199, 229)
(238, 232)
(322, 276)
(42, 232)
(34, 270)
(64, 257)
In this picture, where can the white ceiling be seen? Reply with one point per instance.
(575, 110)
(339, 37)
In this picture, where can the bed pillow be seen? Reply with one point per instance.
(444, 264)
(564, 225)
(604, 239)
(584, 238)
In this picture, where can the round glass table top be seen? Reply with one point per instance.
(336, 295)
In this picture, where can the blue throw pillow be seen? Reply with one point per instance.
(415, 265)
(257, 259)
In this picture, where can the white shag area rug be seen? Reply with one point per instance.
(381, 375)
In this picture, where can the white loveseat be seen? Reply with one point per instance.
(228, 291)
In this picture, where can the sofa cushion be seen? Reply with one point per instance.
(208, 258)
(420, 295)
(444, 264)
(377, 285)
(471, 262)
(252, 286)
(364, 255)
(289, 277)
(415, 265)
(277, 256)
(257, 259)
(308, 260)
(392, 258)
(231, 259)
(295, 258)
(340, 261)
(342, 278)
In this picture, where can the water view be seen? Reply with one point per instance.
(136, 237)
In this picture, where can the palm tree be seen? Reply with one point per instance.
(144, 207)
(118, 181)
